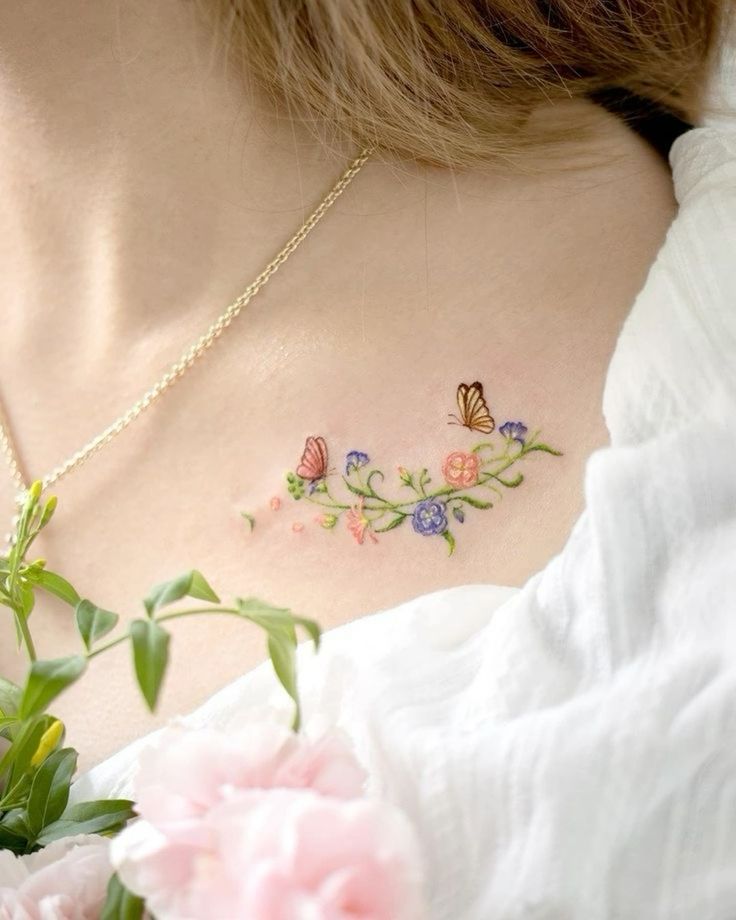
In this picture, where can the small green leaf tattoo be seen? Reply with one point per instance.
(472, 478)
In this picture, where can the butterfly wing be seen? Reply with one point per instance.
(474, 408)
(313, 464)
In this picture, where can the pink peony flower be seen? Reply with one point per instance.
(279, 854)
(460, 469)
(189, 771)
(264, 824)
(67, 880)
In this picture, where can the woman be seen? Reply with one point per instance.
(472, 282)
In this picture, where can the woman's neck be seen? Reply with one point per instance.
(142, 181)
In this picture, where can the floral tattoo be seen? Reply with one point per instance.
(471, 479)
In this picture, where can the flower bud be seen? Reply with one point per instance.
(49, 740)
(405, 475)
(48, 511)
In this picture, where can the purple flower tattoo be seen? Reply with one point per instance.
(354, 460)
(429, 517)
(473, 477)
(514, 431)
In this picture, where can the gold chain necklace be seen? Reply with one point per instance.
(188, 358)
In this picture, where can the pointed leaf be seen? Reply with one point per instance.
(390, 526)
(56, 585)
(50, 789)
(545, 447)
(46, 680)
(150, 657)
(357, 490)
(278, 620)
(190, 584)
(450, 540)
(101, 817)
(27, 598)
(281, 653)
(510, 483)
(17, 757)
(312, 628)
(10, 695)
(93, 622)
(473, 502)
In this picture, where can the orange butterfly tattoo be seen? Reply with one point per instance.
(473, 408)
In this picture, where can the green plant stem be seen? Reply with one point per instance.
(26, 634)
(334, 504)
(504, 460)
(15, 560)
(166, 616)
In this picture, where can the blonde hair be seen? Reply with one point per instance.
(454, 82)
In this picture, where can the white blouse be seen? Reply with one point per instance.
(568, 749)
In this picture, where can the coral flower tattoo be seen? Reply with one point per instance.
(473, 477)
(358, 524)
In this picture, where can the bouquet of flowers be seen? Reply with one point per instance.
(267, 822)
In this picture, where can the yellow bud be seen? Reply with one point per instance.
(35, 491)
(49, 739)
(48, 510)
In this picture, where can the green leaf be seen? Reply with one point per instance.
(249, 518)
(545, 447)
(280, 626)
(121, 904)
(277, 619)
(510, 483)
(397, 521)
(190, 584)
(150, 657)
(10, 695)
(105, 816)
(450, 540)
(266, 615)
(17, 757)
(46, 680)
(56, 585)
(6, 722)
(27, 598)
(50, 789)
(281, 652)
(312, 628)
(473, 502)
(93, 622)
(17, 795)
(14, 834)
(357, 490)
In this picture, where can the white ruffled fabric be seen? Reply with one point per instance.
(567, 751)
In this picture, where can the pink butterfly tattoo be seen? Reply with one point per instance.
(313, 465)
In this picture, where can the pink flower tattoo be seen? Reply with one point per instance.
(461, 469)
(358, 523)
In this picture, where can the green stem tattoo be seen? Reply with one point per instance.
(471, 479)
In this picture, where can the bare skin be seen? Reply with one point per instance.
(143, 189)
